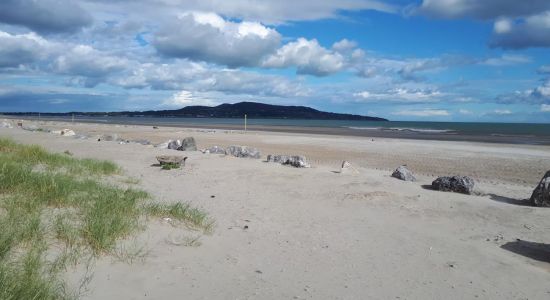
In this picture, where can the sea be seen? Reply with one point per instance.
(516, 133)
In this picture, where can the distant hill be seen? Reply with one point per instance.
(253, 110)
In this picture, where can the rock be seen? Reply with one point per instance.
(541, 194)
(31, 128)
(188, 144)
(171, 159)
(215, 150)
(243, 151)
(277, 158)
(295, 160)
(174, 145)
(403, 173)
(5, 124)
(67, 132)
(163, 145)
(109, 137)
(141, 141)
(346, 166)
(458, 184)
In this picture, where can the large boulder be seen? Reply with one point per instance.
(457, 184)
(294, 160)
(541, 194)
(243, 151)
(403, 173)
(188, 144)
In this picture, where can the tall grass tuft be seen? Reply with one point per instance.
(55, 210)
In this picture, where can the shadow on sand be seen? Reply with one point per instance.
(428, 187)
(521, 202)
(536, 251)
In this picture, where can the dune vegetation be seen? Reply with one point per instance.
(57, 211)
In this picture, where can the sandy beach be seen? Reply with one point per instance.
(313, 233)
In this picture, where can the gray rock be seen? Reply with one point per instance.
(112, 137)
(141, 141)
(31, 128)
(346, 167)
(171, 159)
(294, 160)
(188, 144)
(458, 184)
(243, 151)
(277, 158)
(5, 124)
(215, 150)
(403, 173)
(541, 194)
(174, 144)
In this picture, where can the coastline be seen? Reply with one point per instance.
(434, 135)
(279, 228)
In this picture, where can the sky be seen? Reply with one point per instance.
(424, 60)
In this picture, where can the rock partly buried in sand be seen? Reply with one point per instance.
(215, 150)
(346, 167)
(141, 141)
(243, 151)
(109, 137)
(403, 173)
(188, 144)
(171, 159)
(67, 132)
(5, 124)
(541, 194)
(457, 184)
(174, 144)
(31, 128)
(294, 160)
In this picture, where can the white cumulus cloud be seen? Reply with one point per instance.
(308, 56)
(208, 37)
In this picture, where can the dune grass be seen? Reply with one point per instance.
(55, 210)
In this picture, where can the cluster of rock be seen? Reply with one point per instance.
(6, 124)
(290, 160)
(215, 150)
(541, 194)
(187, 144)
(457, 184)
(243, 151)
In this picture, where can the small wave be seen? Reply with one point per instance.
(419, 130)
(364, 128)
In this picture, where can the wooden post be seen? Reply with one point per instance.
(73, 118)
(245, 122)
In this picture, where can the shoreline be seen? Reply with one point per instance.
(334, 131)
(279, 228)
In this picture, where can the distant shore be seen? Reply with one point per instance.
(338, 131)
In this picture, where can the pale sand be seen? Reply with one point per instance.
(317, 234)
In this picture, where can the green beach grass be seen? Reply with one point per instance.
(56, 211)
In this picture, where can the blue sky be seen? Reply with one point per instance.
(429, 60)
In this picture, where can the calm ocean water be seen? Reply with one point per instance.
(526, 132)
